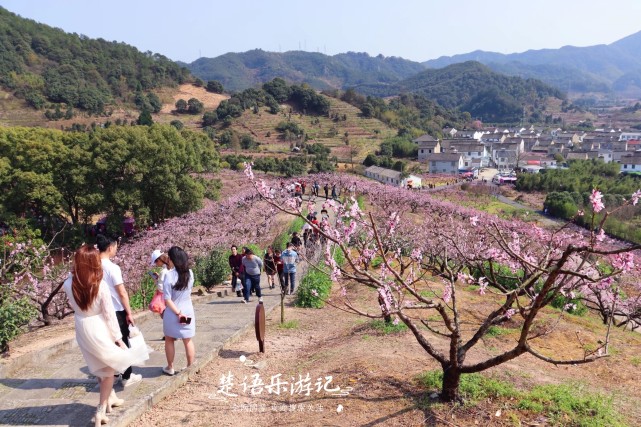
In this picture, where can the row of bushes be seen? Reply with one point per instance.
(565, 205)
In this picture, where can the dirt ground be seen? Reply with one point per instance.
(187, 91)
(377, 372)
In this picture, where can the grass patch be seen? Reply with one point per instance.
(497, 331)
(635, 361)
(388, 328)
(290, 324)
(473, 387)
(426, 293)
(367, 337)
(562, 404)
(572, 405)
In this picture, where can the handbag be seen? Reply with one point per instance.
(138, 347)
(157, 304)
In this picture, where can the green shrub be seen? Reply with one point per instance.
(315, 281)
(14, 315)
(214, 268)
(376, 262)
(142, 297)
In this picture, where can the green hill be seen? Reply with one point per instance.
(238, 71)
(48, 67)
(475, 88)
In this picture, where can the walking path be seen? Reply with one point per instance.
(56, 389)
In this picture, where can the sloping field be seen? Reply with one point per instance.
(364, 135)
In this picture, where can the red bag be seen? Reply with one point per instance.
(157, 304)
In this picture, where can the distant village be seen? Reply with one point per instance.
(464, 153)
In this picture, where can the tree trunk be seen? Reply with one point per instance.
(282, 307)
(451, 382)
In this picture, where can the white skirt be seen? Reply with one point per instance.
(102, 355)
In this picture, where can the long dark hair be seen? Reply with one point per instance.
(104, 242)
(181, 263)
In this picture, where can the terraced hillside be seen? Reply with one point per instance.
(364, 135)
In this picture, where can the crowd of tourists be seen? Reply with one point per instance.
(105, 328)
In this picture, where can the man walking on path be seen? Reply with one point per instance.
(326, 190)
(235, 262)
(289, 258)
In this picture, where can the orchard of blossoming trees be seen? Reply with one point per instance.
(431, 250)
(31, 274)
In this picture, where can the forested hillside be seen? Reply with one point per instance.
(238, 71)
(474, 88)
(52, 69)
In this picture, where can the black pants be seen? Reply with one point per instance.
(124, 330)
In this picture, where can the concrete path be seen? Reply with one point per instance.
(59, 391)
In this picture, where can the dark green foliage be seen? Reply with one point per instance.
(247, 142)
(314, 282)
(292, 127)
(278, 89)
(194, 106)
(212, 269)
(236, 161)
(40, 62)
(181, 106)
(581, 177)
(308, 100)
(144, 170)
(399, 147)
(474, 88)
(177, 124)
(215, 87)
(144, 119)
(210, 118)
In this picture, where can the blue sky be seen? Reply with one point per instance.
(412, 29)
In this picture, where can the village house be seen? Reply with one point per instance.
(445, 163)
(631, 163)
(469, 134)
(627, 136)
(392, 177)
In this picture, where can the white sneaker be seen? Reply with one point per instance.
(133, 379)
(260, 299)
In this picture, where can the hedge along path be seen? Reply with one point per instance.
(54, 387)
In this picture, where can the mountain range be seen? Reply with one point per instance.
(615, 67)
(238, 71)
(606, 69)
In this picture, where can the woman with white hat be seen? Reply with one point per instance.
(160, 259)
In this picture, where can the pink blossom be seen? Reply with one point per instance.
(600, 236)
(474, 220)
(636, 196)
(447, 293)
(595, 199)
(509, 313)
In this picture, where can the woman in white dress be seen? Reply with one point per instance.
(97, 331)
